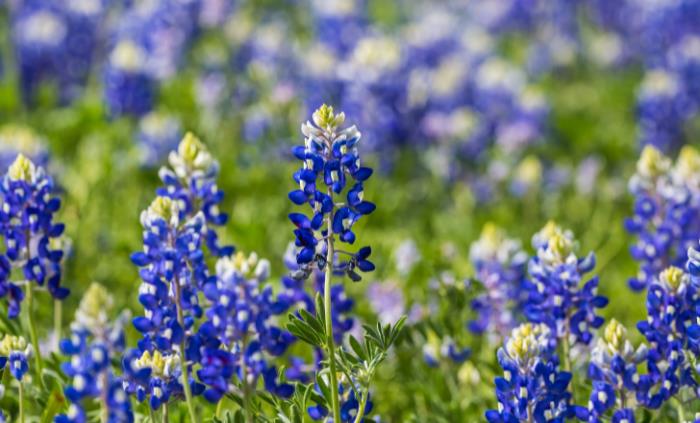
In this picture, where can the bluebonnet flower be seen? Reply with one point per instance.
(29, 232)
(128, 86)
(330, 157)
(499, 263)
(672, 331)
(339, 23)
(532, 387)
(191, 182)
(613, 371)
(240, 329)
(556, 295)
(173, 272)
(666, 206)
(158, 134)
(387, 300)
(92, 344)
(14, 353)
(15, 139)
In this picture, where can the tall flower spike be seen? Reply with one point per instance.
(240, 333)
(191, 181)
(672, 331)
(666, 220)
(532, 387)
(92, 344)
(499, 263)
(28, 228)
(330, 157)
(556, 295)
(173, 271)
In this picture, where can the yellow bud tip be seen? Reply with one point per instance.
(22, 169)
(615, 335)
(673, 277)
(652, 163)
(163, 207)
(324, 117)
(190, 147)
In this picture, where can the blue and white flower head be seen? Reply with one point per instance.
(95, 339)
(532, 387)
(339, 23)
(684, 60)
(665, 213)
(14, 353)
(154, 376)
(437, 349)
(191, 182)
(499, 264)
(330, 158)
(15, 139)
(672, 331)
(613, 370)
(556, 295)
(240, 333)
(27, 210)
(158, 134)
(128, 87)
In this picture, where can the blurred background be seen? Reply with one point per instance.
(506, 111)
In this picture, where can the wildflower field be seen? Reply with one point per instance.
(298, 211)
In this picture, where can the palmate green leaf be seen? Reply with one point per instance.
(304, 331)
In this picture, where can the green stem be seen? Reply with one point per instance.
(244, 385)
(330, 343)
(183, 361)
(164, 417)
(361, 408)
(219, 406)
(21, 402)
(679, 410)
(57, 318)
(150, 413)
(33, 334)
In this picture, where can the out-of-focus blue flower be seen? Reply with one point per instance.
(532, 387)
(665, 219)
(128, 87)
(14, 352)
(30, 233)
(613, 370)
(240, 329)
(662, 107)
(92, 344)
(56, 42)
(349, 406)
(672, 332)
(499, 263)
(556, 295)
(339, 23)
(158, 134)
(16, 139)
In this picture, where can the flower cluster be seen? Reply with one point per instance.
(349, 408)
(191, 182)
(153, 376)
(555, 293)
(672, 331)
(499, 263)
(30, 233)
(240, 329)
(14, 352)
(173, 271)
(532, 387)
(330, 155)
(613, 372)
(94, 341)
(665, 220)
